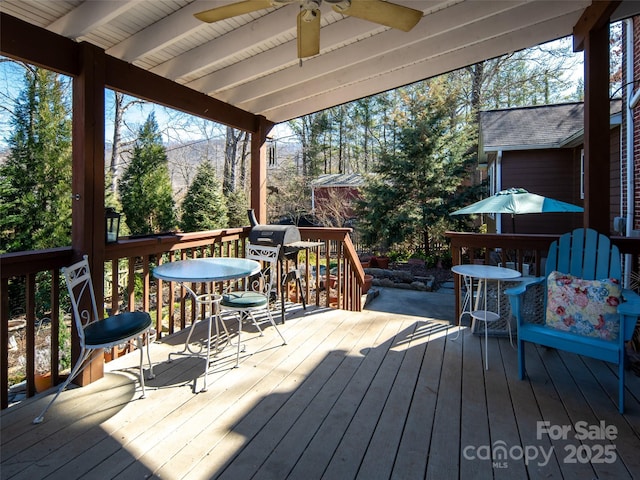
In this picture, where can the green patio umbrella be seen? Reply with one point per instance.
(517, 201)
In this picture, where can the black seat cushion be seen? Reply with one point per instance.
(117, 328)
(244, 299)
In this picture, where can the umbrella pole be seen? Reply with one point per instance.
(513, 223)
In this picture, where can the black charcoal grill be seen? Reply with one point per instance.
(288, 238)
(285, 236)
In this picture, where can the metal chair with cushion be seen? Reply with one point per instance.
(96, 334)
(257, 292)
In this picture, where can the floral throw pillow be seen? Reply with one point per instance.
(584, 307)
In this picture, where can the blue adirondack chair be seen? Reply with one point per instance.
(582, 263)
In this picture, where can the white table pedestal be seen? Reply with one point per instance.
(484, 273)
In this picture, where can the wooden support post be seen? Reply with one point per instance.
(259, 169)
(591, 33)
(596, 131)
(88, 226)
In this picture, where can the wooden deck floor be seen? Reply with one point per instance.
(371, 395)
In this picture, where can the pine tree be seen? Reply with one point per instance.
(145, 186)
(238, 204)
(204, 206)
(35, 181)
(409, 195)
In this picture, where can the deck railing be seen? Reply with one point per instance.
(332, 276)
(129, 285)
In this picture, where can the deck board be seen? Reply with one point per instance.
(541, 374)
(526, 411)
(412, 453)
(355, 418)
(375, 394)
(474, 420)
(442, 457)
(381, 451)
(503, 426)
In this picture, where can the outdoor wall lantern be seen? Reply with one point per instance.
(112, 224)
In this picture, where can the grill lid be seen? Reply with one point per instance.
(271, 234)
(274, 235)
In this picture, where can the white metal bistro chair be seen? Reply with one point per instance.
(96, 334)
(256, 295)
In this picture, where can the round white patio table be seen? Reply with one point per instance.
(483, 273)
(204, 270)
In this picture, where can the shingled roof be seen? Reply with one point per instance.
(338, 180)
(545, 126)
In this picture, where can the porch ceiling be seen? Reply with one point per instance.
(251, 62)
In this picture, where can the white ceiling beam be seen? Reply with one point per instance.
(163, 33)
(254, 33)
(90, 15)
(457, 18)
(468, 55)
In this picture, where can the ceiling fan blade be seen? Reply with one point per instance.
(385, 13)
(232, 10)
(308, 33)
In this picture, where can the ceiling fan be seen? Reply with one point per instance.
(377, 11)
